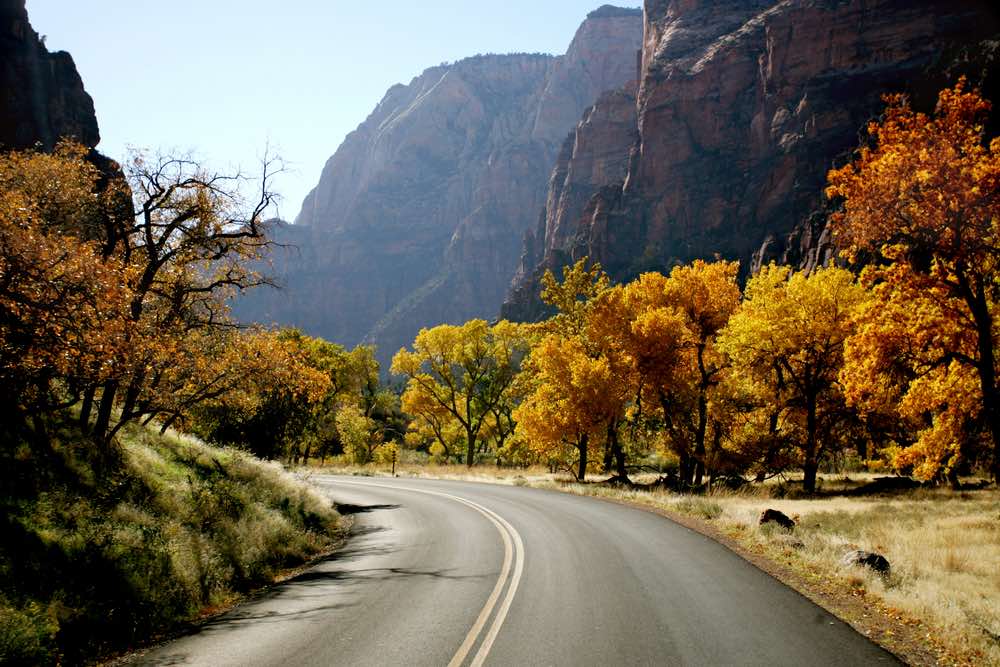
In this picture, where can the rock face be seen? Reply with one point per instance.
(593, 159)
(43, 96)
(743, 107)
(419, 215)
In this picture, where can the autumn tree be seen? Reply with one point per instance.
(573, 296)
(189, 243)
(63, 305)
(788, 338)
(923, 200)
(705, 294)
(570, 403)
(466, 370)
(267, 389)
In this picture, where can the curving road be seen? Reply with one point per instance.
(458, 573)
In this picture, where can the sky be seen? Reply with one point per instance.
(229, 79)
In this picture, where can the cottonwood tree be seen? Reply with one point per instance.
(923, 199)
(570, 403)
(787, 339)
(467, 370)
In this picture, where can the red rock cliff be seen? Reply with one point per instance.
(742, 108)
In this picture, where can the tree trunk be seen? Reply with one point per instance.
(685, 469)
(699, 439)
(470, 452)
(87, 408)
(810, 465)
(987, 374)
(104, 409)
(617, 453)
(128, 403)
(582, 445)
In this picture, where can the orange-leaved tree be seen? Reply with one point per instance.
(923, 200)
(63, 305)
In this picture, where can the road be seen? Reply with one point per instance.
(459, 573)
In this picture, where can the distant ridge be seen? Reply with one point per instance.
(419, 215)
(610, 12)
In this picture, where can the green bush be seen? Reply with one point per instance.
(27, 634)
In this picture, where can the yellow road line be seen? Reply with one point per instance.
(513, 550)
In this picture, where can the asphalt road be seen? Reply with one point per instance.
(458, 573)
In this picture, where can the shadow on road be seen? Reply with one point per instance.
(348, 508)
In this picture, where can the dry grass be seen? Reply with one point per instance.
(91, 562)
(490, 474)
(944, 546)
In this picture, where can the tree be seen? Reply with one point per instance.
(923, 201)
(570, 404)
(467, 370)
(358, 434)
(573, 297)
(266, 392)
(63, 305)
(189, 245)
(706, 295)
(787, 339)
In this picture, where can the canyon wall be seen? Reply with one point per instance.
(743, 107)
(418, 217)
(43, 96)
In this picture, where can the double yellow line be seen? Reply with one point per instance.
(510, 577)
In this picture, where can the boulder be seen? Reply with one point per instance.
(774, 516)
(874, 561)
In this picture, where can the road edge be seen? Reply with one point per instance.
(207, 614)
(869, 617)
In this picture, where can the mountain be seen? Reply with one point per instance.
(742, 108)
(419, 215)
(43, 96)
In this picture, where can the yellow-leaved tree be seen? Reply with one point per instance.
(463, 371)
(787, 341)
(705, 294)
(923, 199)
(573, 398)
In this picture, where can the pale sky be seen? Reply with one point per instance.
(225, 78)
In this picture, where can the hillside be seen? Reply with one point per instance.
(98, 555)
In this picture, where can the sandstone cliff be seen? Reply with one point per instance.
(743, 107)
(418, 217)
(43, 96)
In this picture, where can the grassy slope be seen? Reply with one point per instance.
(93, 562)
(944, 548)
